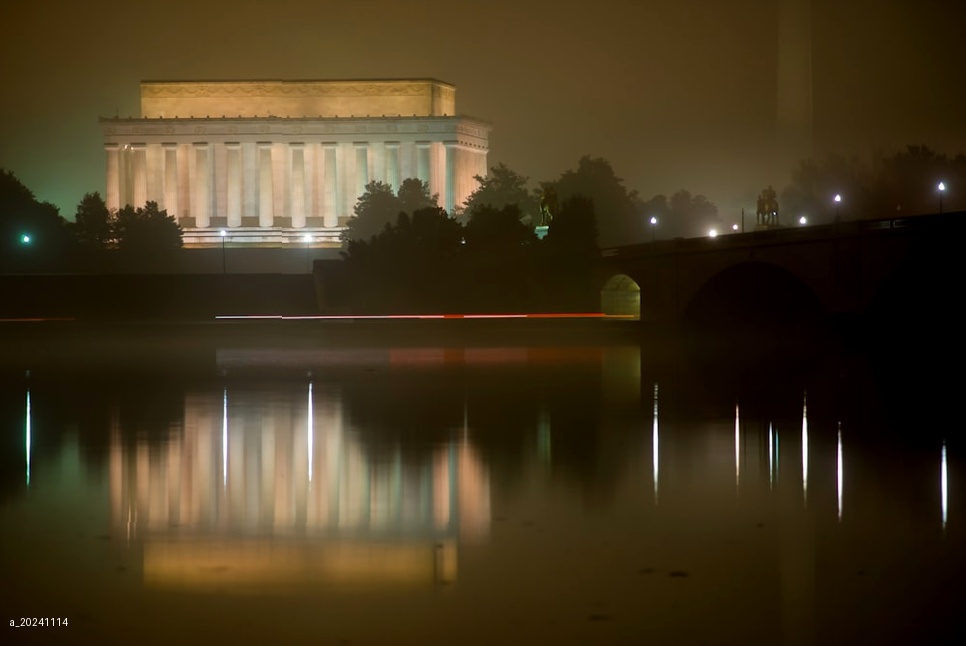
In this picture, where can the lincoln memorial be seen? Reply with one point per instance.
(271, 163)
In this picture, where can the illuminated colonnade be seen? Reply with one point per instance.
(288, 159)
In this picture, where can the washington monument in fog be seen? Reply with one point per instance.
(793, 115)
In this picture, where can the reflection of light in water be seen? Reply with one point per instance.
(311, 429)
(27, 431)
(942, 483)
(839, 470)
(771, 454)
(804, 449)
(654, 443)
(737, 448)
(544, 440)
(224, 438)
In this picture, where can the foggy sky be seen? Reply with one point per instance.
(674, 93)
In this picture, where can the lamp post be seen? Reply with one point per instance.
(224, 235)
(653, 222)
(942, 189)
(307, 238)
(838, 202)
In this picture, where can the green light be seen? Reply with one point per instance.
(25, 238)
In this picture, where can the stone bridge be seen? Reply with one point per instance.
(909, 269)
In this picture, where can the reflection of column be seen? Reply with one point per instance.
(234, 189)
(265, 185)
(297, 201)
(140, 185)
(330, 198)
(202, 192)
(170, 163)
(113, 193)
(392, 165)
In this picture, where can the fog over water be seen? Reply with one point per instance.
(394, 483)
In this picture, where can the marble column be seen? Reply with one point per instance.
(233, 197)
(219, 163)
(362, 168)
(112, 195)
(330, 199)
(280, 179)
(437, 173)
(170, 157)
(377, 162)
(422, 162)
(139, 185)
(452, 180)
(297, 199)
(407, 160)
(250, 179)
(392, 165)
(201, 207)
(266, 199)
(346, 160)
(154, 161)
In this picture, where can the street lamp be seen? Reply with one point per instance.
(734, 227)
(838, 202)
(224, 236)
(25, 238)
(942, 189)
(653, 222)
(713, 233)
(803, 220)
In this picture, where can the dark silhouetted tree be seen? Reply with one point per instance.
(618, 211)
(378, 207)
(146, 231)
(503, 187)
(22, 215)
(93, 223)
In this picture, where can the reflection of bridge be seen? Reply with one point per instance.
(843, 268)
(260, 487)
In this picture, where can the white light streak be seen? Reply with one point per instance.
(654, 444)
(943, 484)
(839, 471)
(804, 449)
(224, 438)
(311, 430)
(737, 449)
(771, 454)
(27, 432)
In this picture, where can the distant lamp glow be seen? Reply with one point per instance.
(223, 233)
(734, 227)
(713, 233)
(307, 238)
(25, 238)
(803, 220)
(654, 219)
(838, 202)
(653, 222)
(838, 198)
(942, 189)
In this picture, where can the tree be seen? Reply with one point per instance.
(618, 210)
(21, 215)
(378, 207)
(498, 231)
(500, 188)
(146, 230)
(92, 223)
(690, 215)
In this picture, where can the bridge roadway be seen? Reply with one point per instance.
(910, 267)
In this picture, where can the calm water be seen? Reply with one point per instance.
(504, 487)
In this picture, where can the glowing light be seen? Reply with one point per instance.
(803, 220)
(223, 233)
(713, 233)
(737, 448)
(943, 485)
(311, 430)
(837, 198)
(942, 186)
(307, 238)
(224, 438)
(734, 227)
(771, 470)
(27, 432)
(839, 471)
(25, 239)
(654, 444)
(653, 220)
(804, 450)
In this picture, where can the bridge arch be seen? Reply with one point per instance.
(621, 296)
(754, 300)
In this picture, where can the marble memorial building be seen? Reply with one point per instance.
(272, 163)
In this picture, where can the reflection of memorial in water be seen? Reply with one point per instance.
(271, 489)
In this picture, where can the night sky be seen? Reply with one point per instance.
(675, 93)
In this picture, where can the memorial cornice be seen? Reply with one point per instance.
(293, 126)
(287, 88)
